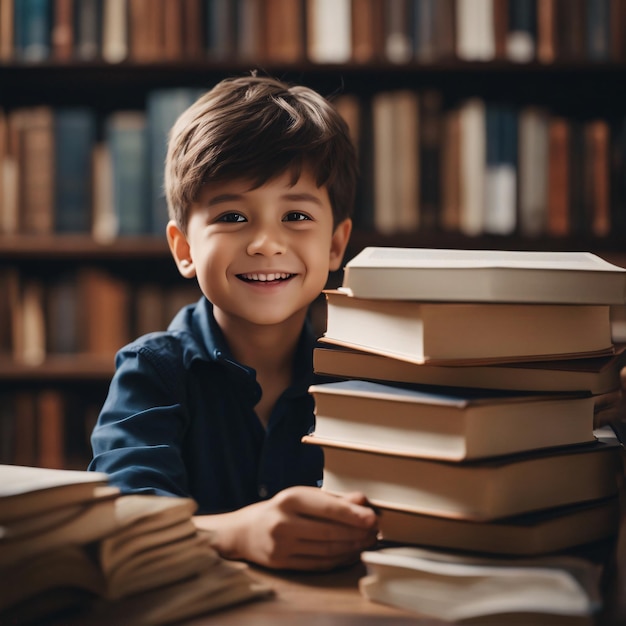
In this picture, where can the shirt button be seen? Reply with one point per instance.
(263, 491)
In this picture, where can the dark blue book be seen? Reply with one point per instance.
(74, 140)
(33, 29)
(163, 108)
(598, 29)
(522, 30)
(501, 170)
(126, 134)
(220, 19)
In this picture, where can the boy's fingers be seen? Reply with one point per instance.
(319, 504)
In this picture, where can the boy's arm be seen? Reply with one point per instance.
(137, 438)
(301, 528)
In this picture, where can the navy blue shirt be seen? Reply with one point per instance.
(179, 420)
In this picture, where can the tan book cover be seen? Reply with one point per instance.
(477, 490)
(456, 333)
(489, 276)
(284, 31)
(447, 423)
(555, 589)
(542, 532)
(596, 376)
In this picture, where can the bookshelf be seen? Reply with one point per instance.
(578, 81)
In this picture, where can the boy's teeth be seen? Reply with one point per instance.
(266, 277)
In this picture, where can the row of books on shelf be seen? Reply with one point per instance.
(478, 411)
(472, 167)
(49, 426)
(479, 167)
(65, 170)
(73, 550)
(319, 31)
(85, 311)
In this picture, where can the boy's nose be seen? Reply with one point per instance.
(266, 241)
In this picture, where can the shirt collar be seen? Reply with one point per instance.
(204, 340)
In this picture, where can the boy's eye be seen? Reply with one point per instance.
(231, 218)
(296, 216)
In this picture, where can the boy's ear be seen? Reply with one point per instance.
(338, 244)
(179, 247)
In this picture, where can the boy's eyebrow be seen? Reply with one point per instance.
(293, 197)
(302, 197)
(224, 197)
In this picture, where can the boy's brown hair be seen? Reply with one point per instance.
(257, 128)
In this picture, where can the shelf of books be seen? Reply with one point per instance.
(479, 124)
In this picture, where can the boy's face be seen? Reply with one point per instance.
(262, 255)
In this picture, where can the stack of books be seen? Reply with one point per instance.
(473, 385)
(73, 548)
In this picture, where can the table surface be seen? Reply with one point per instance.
(313, 599)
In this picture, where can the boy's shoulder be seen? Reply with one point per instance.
(184, 341)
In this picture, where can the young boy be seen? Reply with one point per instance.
(260, 180)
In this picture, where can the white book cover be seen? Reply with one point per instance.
(475, 30)
(472, 167)
(533, 171)
(329, 31)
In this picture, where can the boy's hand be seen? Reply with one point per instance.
(301, 528)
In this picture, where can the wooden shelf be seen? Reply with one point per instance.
(70, 368)
(81, 246)
(575, 86)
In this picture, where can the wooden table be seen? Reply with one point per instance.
(308, 599)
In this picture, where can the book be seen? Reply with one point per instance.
(163, 108)
(474, 29)
(35, 134)
(558, 205)
(62, 35)
(398, 31)
(532, 170)
(595, 376)
(366, 30)
(329, 34)
(115, 31)
(106, 302)
(457, 587)
(29, 491)
(465, 333)
(105, 557)
(127, 137)
(478, 490)
(7, 30)
(74, 140)
(219, 31)
(501, 173)
(284, 26)
(543, 532)
(522, 32)
(33, 26)
(449, 423)
(485, 276)
(88, 29)
(472, 160)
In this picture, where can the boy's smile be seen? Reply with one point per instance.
(262, 255)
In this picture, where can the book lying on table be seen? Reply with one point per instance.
(461, 333)
(447, 423)
(595, 376)
(29, 491)
(484, 276)
(101, 557)
(542, 532)
(463, 588)
(479, 490)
